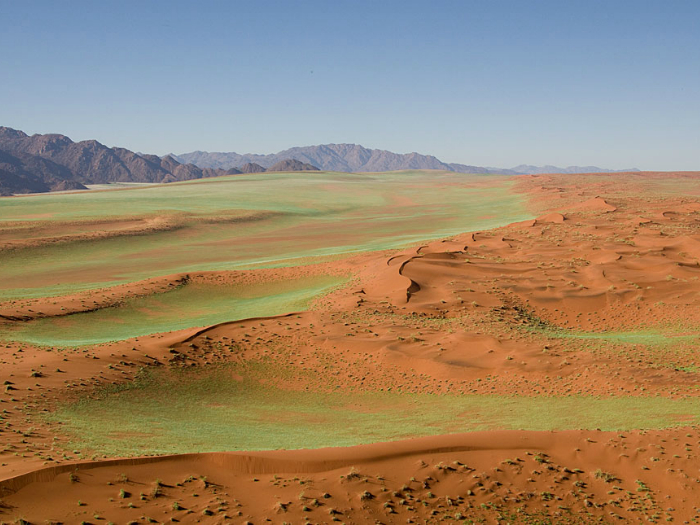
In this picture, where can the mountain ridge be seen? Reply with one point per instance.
(357, 158)
(53, 162)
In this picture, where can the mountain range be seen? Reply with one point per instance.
(53, 162)
(356, 158)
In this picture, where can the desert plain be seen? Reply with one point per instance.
(407, 347)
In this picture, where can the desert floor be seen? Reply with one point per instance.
(414, 349)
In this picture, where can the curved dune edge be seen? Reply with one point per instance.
(582, 476)
(113, 296)
(309, 461)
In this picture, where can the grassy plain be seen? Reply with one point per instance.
(237, 222)
(221, 409)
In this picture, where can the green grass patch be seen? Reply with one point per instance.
(227, 408)
(664, 346)
(184, 307)
(644, 337)
(661, 348)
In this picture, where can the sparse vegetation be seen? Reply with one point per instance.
(605, 476)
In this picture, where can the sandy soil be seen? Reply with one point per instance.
(570, 476)
(478, 313)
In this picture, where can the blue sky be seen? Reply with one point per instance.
(494, 83)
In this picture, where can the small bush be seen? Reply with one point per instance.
(605, 476)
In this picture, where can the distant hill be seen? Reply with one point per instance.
(251, 167)
(356, 158)
(292, 165)
(53, 162)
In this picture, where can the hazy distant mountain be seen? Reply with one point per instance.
(54, 162)
(328, 157)
(464, 168)
(356, 158)
(527, 169)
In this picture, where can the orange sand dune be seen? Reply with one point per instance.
(570, 476)
(608, 253)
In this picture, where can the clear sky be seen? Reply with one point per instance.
(490, 82)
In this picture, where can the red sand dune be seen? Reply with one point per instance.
(604, 255)
(573, 475)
